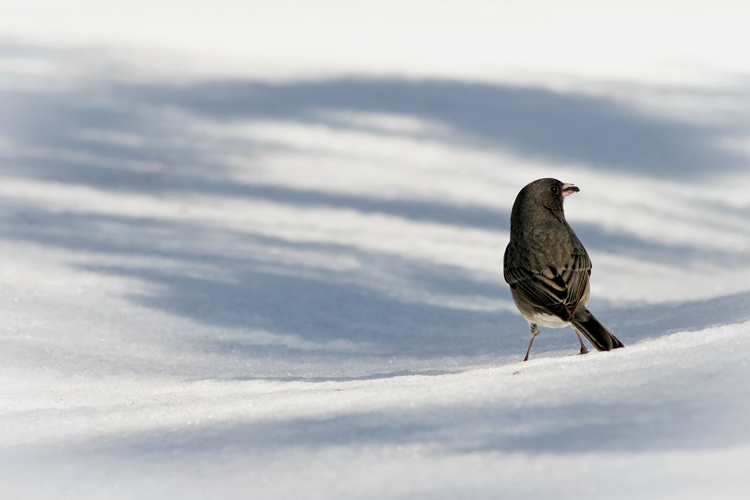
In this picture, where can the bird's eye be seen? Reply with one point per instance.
(555, 190)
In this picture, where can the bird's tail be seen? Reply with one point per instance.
(595, 332)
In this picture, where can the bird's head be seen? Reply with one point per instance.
(547, 193)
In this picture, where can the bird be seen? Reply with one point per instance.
(548, 268)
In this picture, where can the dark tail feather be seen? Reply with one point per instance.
(595, 332)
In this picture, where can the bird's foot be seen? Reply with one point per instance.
(584, 350)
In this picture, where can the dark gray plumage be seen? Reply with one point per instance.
(547, 267)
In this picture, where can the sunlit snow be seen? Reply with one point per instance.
(254, 249)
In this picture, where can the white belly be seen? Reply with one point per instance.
(550, 321)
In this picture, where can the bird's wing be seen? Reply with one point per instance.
(556, 290)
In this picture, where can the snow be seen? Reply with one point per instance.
(254, 249)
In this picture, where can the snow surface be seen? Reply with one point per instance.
(254, 249)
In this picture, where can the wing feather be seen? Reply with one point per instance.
(557, 290)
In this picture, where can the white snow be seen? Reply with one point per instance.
(254, 249)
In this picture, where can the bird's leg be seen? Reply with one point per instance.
(534, 333)
(583, 347)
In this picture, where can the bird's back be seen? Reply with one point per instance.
(545, 262)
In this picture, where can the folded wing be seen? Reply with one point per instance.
(556, 290)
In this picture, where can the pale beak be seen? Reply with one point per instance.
(568, 189)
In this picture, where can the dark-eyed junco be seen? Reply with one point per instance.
(548, 269)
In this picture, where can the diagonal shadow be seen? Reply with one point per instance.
(153, 153)
(160, 162)
(319, 305)
(250, 292)
(562, 127)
